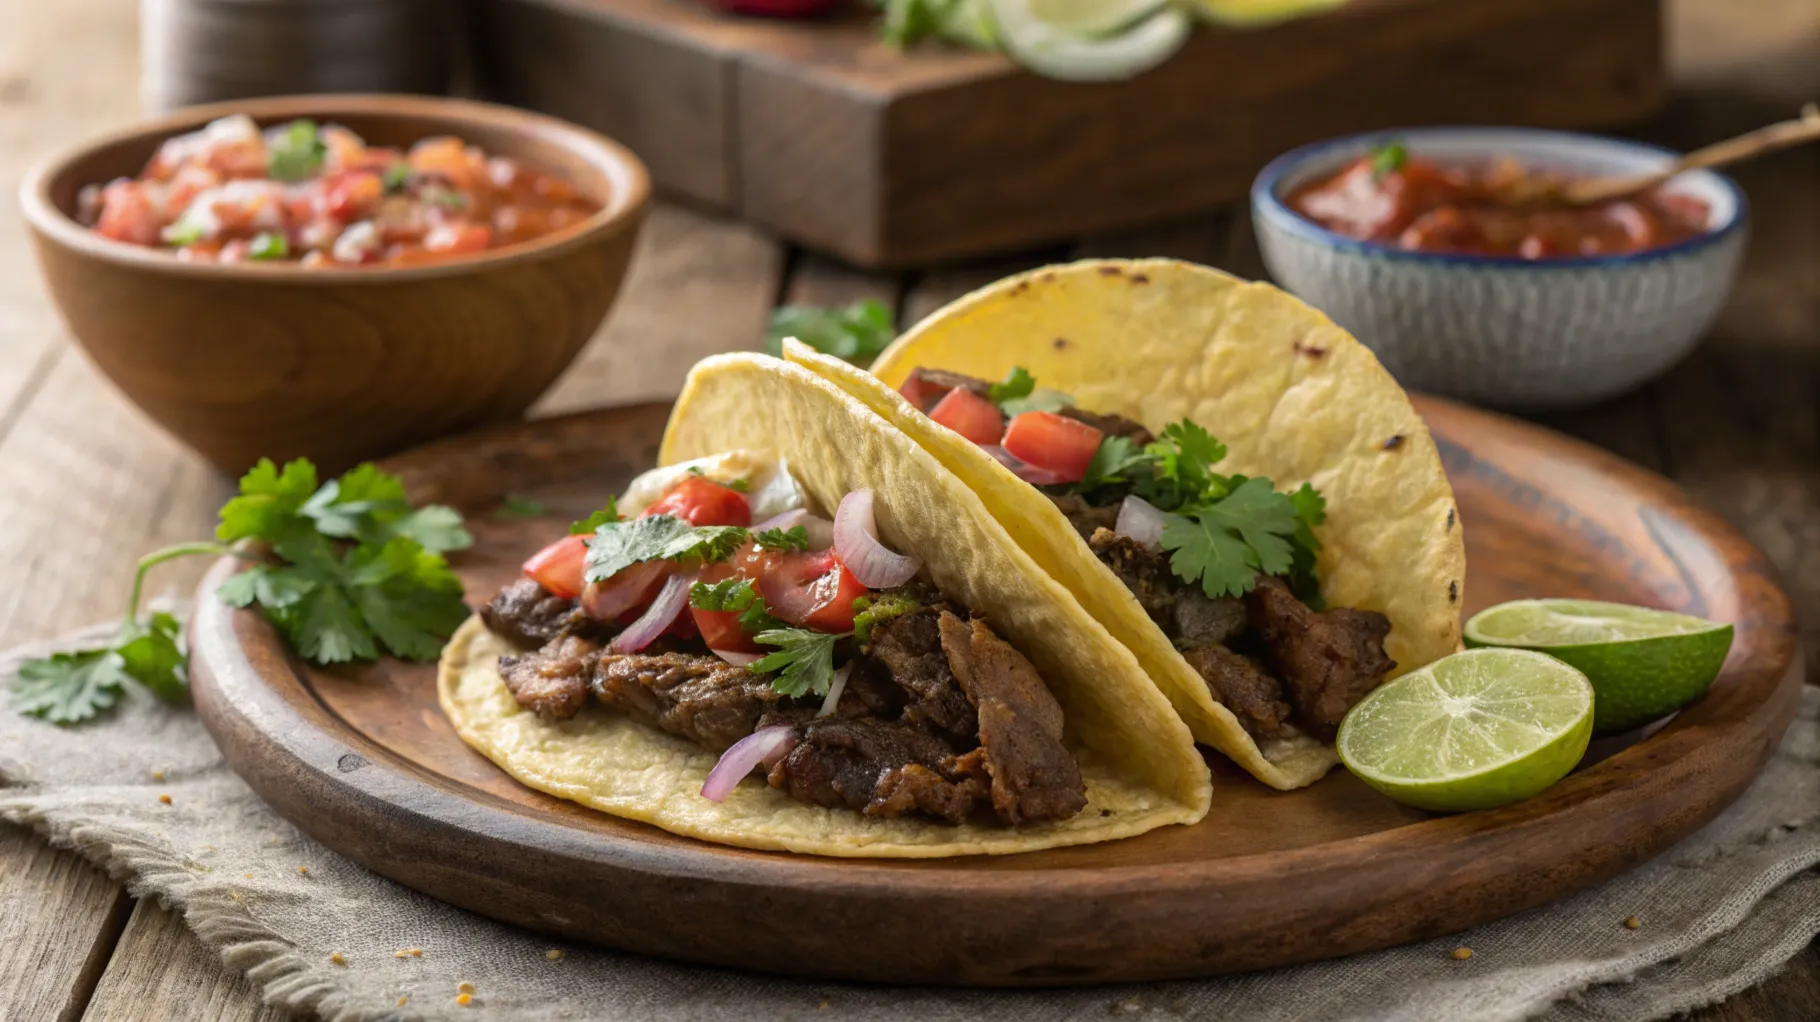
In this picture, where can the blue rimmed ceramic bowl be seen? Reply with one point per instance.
(1511, 332)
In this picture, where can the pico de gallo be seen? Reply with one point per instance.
(319, 195)
(709, 602)
(1497, 209)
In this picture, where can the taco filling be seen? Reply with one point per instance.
(801, 650)
(1223, 564)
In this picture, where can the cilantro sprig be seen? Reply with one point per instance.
(1387, 158)
(735, 594)
(617, 545)
(297, 152)
(1018, 393)
(804, 660)
(1220, 530)
(343, 570)
(610, 513)
(856, 333)
(794, 538)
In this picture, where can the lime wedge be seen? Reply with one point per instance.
(1253, 13)
(1643, 663)
(1071, 56)
(1470, 731)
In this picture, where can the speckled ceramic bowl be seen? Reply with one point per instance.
(1506, 331)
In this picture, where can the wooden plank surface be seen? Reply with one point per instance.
(89, 483)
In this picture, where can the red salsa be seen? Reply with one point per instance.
(320, 196)
(1497, 209)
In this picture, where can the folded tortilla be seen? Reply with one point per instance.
(1141, 767)
(1293, 397)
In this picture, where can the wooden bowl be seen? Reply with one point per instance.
(246, 360)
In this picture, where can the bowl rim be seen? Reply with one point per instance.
(625, 204)
(1268, 205)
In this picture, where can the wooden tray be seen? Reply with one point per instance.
(820, 132)
(363, 760)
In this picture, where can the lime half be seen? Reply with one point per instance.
(1643, 663)
(1470, 731)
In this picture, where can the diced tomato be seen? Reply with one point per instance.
(919, 392)
(128, 213)
(189, 182)
(351, 195)
(811, 589)
(699, 500)
(721, 629)
(623, 596)
(558, 566)
(448, 158)
(1053, 442)
(970, 415)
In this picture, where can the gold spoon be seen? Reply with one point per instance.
(1805, 128)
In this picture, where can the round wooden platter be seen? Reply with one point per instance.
(363, 760)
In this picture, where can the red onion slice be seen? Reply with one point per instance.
(609, 599)
(1141, 522)
(658, 616)
(835, 688)
(766, 745)
(856, 544)
(820, 530)
(1024, 470)
(737, 659)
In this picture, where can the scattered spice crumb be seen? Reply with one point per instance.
(1462, 953)
(304, 870)
(337, 959)
(822, 1005)
(1632, 923)
(401, 999)
(166, 799)
(463, 999)
(554, 954)
(249, 876)
(157, 775)
(417, 952)
(403, 952)
(464, 987)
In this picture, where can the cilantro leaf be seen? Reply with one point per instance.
(804, 660)
(1387, 158)
(856, 333)
(514, 507)
(325, 627)
(617, 546)
(267, 497)
(268, 245)
(1017, 383)
(735, 594)
(1116, 456)
(67, 688)
(297, 152)
(396, 178)
(369, 505)
(794, 538)
(407, 595)
(610, 513)
(739, 485)
(1041, 399)
(757, 618)
(434, 527)
(149, 654)
(1225, 544)
(1310, 511)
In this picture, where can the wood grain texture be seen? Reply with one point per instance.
(59, 918)
(818, 131)
(361, 759)
(161, 971)
(243, 361)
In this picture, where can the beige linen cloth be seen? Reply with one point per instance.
(1719, 912)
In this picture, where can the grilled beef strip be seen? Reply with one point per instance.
(1328, 660)
(1186, 614)
(940, 381)
(1241, 684)
(940, 716)
(1085, 518)
(1110, 424)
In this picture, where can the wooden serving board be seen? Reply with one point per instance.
(820, 132)
(363, 760)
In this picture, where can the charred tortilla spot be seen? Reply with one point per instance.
(1453, 591)
(1450, 518)
(1059, 343)
(1395, 441)
(1139, 278)
(1022, 286)
(1313, 351)
(1111, 271)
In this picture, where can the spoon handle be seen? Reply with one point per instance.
(1780, 135)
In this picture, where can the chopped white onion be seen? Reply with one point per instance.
(766, 745)
(819, 529)
(1141, 522)
(1024, 470)
(856, 544)
(669, 603)
(835, 688)
(737, 659)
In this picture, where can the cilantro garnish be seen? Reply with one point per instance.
(447, 198)
(1388, 158)
(1221, 531)
(297, 152)
(396, 178)
(794, 538)
(617, 545)
(182, 233)
(872, 611)
(856, 333)
(514, 506)
(732, 594)
(1017, 383)
(268, 245)
(610, 513)
(739, 485)
(804, 660)
(342, 570)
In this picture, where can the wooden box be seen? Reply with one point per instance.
(826, 136)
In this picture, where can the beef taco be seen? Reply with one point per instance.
(802, 633)
(1227, 481)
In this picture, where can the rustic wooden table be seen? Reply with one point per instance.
(89, 483)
